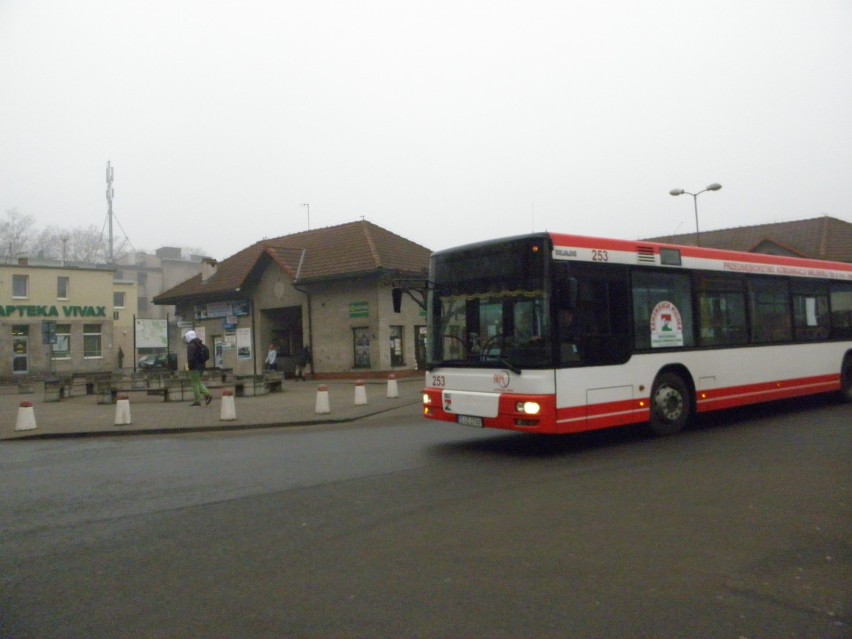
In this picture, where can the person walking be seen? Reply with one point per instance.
(272, 358)
(303, 358)
(197, 355)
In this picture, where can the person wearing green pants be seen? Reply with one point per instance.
(197, 355)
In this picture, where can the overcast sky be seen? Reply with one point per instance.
(446, 122)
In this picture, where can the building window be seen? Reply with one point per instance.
(397, 355)
(92, 341)
(62, 288)
(20, 348)
(361, 345)
(20, 286)
(118, 299)
(62, 347)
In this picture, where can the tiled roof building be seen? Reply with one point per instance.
(356, 249)
(824, 238)
(329, 288)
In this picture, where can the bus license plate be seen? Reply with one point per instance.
(467, 420)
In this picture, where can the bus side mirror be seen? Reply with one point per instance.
(396, 295)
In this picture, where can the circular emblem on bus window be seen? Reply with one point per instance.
(502, 379)
(666, 326)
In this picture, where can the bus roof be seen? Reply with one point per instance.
(638, 252)
(579, 248)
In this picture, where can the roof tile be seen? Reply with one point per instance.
(345, 250)
(824, 238)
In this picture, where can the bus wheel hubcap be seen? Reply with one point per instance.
(669, 403)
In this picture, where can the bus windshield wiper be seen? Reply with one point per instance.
(507, 364)
(491, 362)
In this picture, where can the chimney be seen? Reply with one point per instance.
(208, 268)
(23, 261)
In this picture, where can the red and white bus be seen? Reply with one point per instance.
(550, 333)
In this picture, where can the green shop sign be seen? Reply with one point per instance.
(32, 310)
(359, 309)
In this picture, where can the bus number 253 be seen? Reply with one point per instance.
(438, 381)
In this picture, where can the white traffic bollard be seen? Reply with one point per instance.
(122, 410)
(393, 387)
(322, 405)
(26, 417)
(229, 409)
(360, 393)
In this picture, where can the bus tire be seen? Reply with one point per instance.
(846, 379)
(671, 404)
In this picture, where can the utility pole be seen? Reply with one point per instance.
(308, 206)
(109, 194)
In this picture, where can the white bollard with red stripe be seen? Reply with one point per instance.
(122, 410)
(393, 387)
(229, 410)
(322, 405)
(26, 417)
(360, 393)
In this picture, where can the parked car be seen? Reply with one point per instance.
(162, 361)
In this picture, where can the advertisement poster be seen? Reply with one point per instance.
(152, 333)
(213, 310)
(666, 326)
(229, 328)
(244, 343)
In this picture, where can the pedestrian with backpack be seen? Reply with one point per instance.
(197, 355)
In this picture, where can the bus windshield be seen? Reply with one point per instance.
(490, 306)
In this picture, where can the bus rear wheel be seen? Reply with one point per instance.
(670, 404)
(846, 379)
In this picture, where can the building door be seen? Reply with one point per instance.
(20, 349)
(397, 355)
(361, 344)
(218, 351)
(420, 346)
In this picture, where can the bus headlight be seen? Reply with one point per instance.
(528, 408)
(427, 399)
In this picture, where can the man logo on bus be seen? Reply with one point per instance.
(501, 379)
(666, 326)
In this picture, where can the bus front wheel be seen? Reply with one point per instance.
(670, 404)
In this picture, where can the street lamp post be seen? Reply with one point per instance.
(710, 187)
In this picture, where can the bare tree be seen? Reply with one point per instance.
(19, 237)
(47, 243)
(14, 234)
(86, 245)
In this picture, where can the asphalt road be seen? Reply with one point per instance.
(392, 527)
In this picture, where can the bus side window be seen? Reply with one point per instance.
(651, 289)
(596, 330)
(841, 310)
(722, 314)
(769, 302)
(810, 310)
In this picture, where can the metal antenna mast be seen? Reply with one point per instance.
(109, 193)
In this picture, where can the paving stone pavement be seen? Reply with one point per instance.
(295, 405)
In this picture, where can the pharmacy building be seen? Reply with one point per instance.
(59, 319)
